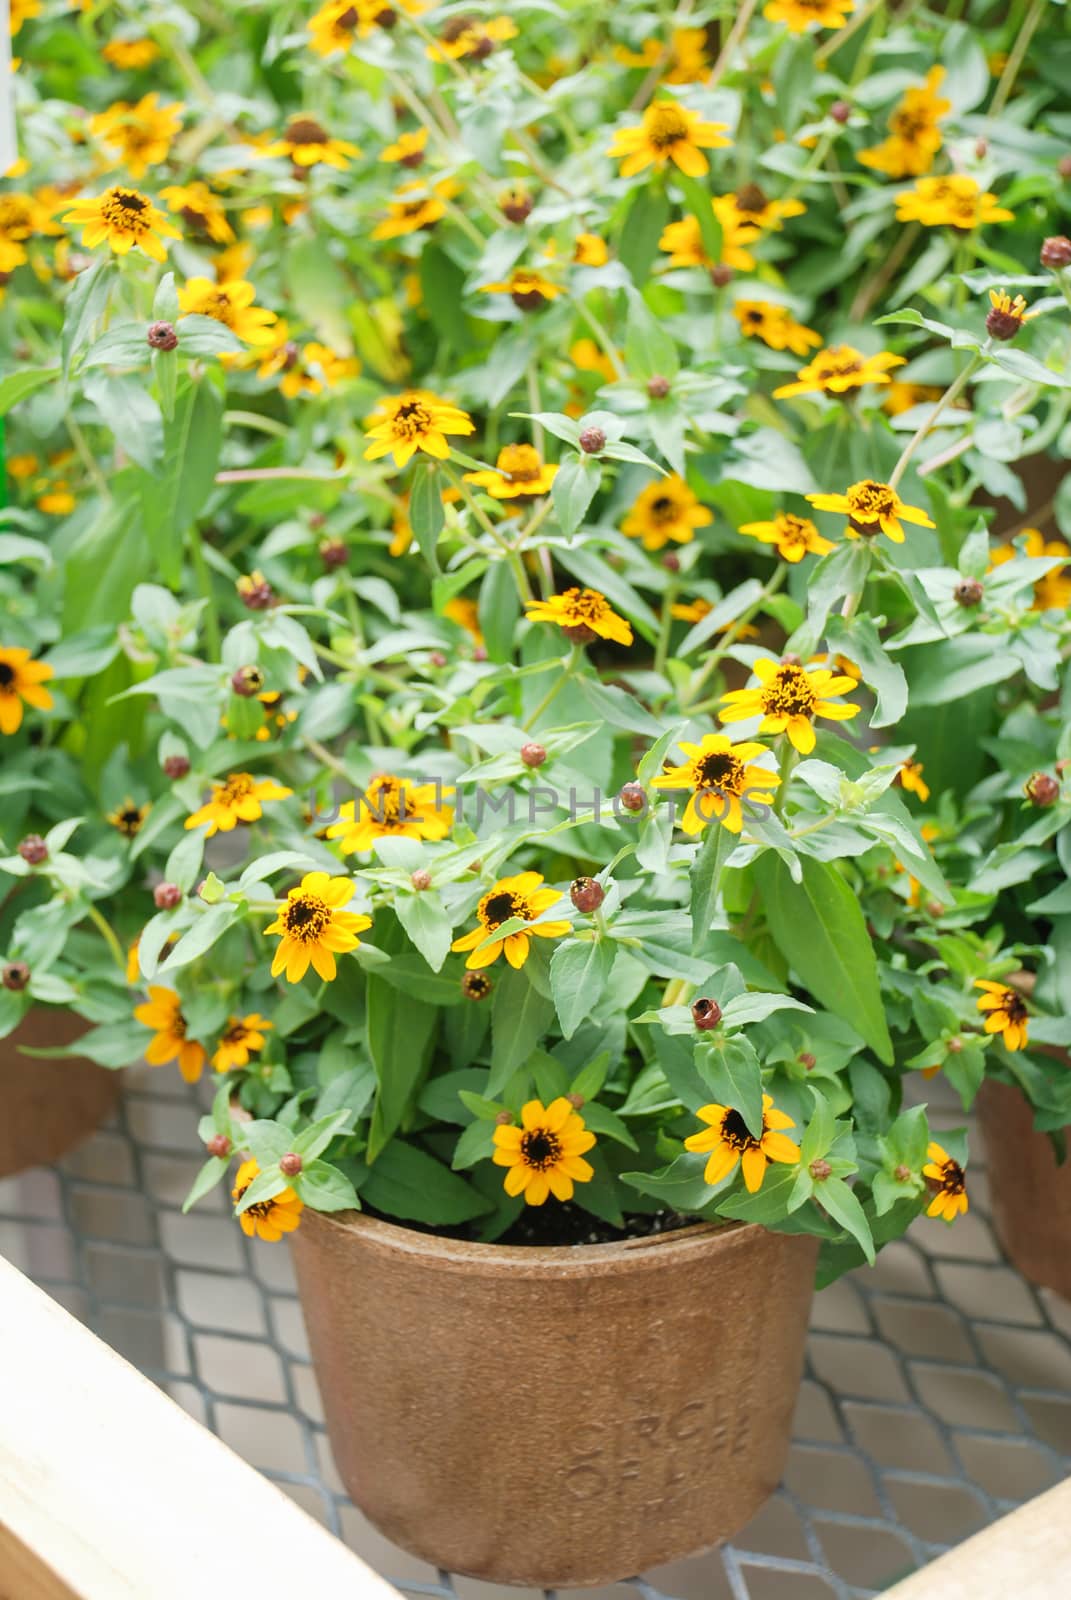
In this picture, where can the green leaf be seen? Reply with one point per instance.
(86, 304)
(575, 486)
(953, 668)
(859, 641)
(499, 609)
(210, 1174)
(17, 385)
(732, 1072)
(172, 498)
(314, 1140)
(401, 1033)
(325, 1188)
(202, 936)
(834, 1195)
(747, 1008)
(408, 1183)
(715, 846)
(424, 920)
(579, 971)
(650, 351)
(818, 926)
(637, 245)
(697, 197)
(520, 1016)
(426, 515)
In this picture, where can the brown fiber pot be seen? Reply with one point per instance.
(1030, 1192)
(47, 1107)
(555, 1417)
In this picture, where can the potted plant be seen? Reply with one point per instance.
(539, 647)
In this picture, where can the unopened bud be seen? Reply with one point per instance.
(934, 908)
(791, 659)
(516, 205)
(33, 849)
(1041, 789)
(290, 1164)
(421, 878)
(981, 149)
(15, 975)
(658, 387)
(902, 1174)
(580, 633)
(820, 1170)
(504, 1119)
(706, 1013)
(1003, 325)
(807, 1061)
(437, 659)
(476, 986)
(954, 1045)
(671, 561)
(219, 1145)
(176, 767)
(247, 681)
(721, 275)
(533, 754)
(577, 1101)
(1056, 252)
(968, 592)
(591, 441)
(255, 592)
(333, 553)
(166, 896)
(161, 336)
(586, 894)
(479, 652)
(1063, 166)
(633, 797)
(840, 111)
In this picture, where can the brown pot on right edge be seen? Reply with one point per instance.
(556, 1417)
(1031, 1192)
(48, 1107)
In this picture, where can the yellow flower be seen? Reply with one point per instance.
(684, 244)
(1005, 1011)
(390, 808)
(334, 27)
(416, 420)
(127, 219)
(545, 1155)
(1053, 591)
(309, 145)
(838, 369)
(140, 134)
(407, 149)
(243, 1037)
(798, 15)
(22, 11)
(128, 817)
(470, 38)
(20, 216)
(910, 778)
(684, 58)
(667, 509)
(788, 699)
(129, 54)
(590, 251)
(753, 205)
(527, 288)
(511, 899)
(162, 1012)
(586, 356)
(201, 211)
(794, 536)
(230, 303)
(901, 396)
(19, 467)
(668, 132)
(307, 369)
(775, 326)
(871, 508)
(519, 474)
(1007, 315)
(729, 1140)
(237, 799)
(315, 928)
(954, 201)
(584, 610)
(415, 206)
(266, 1219)
(21, 679)
(951, 1196)
(720, 775)
(914, 137)
(466, 613)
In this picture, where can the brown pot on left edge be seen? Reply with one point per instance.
(1030, 1192)
(555, 1417)
(47, 1107)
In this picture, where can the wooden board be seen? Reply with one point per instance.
(1024, 1556)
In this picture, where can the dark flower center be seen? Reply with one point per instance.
(412, 418)
(666, 127)
(751, 199)
(303, 130)
(540, 1148)
(306, 917)
(7, 675)
(736, 1133)
(869, 500)
(1012, 1006)
(499, 908)
(130, 202)
(953, 1180)
(664, 509)
(720, 771)
(789, 693)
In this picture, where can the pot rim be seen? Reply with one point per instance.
(556, 1261)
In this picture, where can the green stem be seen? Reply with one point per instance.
(204, 585)
(602, 338)
(524, 588)
(568, 667)
(733, 633)
(951, 393)
(1015, 57)
(108, 932)
(785, 763)
(665, 626)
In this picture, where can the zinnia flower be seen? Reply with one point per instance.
(788, 699)
(794, 536)
(1006, 316)
(127, 219)
(590, 251)
(1005, 1012)
(686, 246)
(914, 137)
(202, 211)
(729, 1140)
(471, 38)
(798, 15)
(583, 609)
(684, 58)
(415, 206)
(775, 326)
(237, 799)
(407, 149)
(1053, 591)
(871, 508)
(838, 369)
(141, 134)
(720, 775)
(266, 1219)
(667, 509)
(243, 1037)
(910, 779)
(545, 1155)
(129, 54)
(21, 679)
(951, 1196)
(519, 474)
(314, 927)
(128, 817)
(309, 145)
(416, 420)
(954, 201)
(527, 288)
(755, 206)
(511, 899)
(230, 303)
(668, 132)
(162, 1012)
(390, 808)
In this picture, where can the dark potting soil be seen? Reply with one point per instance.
(555, 1224)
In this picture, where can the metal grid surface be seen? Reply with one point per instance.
(937, 1394)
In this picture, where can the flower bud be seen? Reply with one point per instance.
(807, 1061)
(421, 878)
(633, 797)
(791, 659)
(1056, 252)
(902, 1174)
(580, 633)
(504, 1119)
(706, 1013)
(591, 441)
(479, 652)
(1063, 166)
(981, 149)
(255, 592)
(671, 562)
(161, 336)
(516, 205)
(1003, 325)
(333, 553)
(577, 1101)
(533, 754)
(176, 767)
(586, 894)
(219, 1145)
(820, 1170)
(658, 387)
(954, 1045)
(968, 592)
(721, 275)
(840, 111)
(1041, 789)
(15, 975)
(33, 849)
(476, 986)
(290, 1164)
(247, 681)
(437, 659)
(166, 896)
